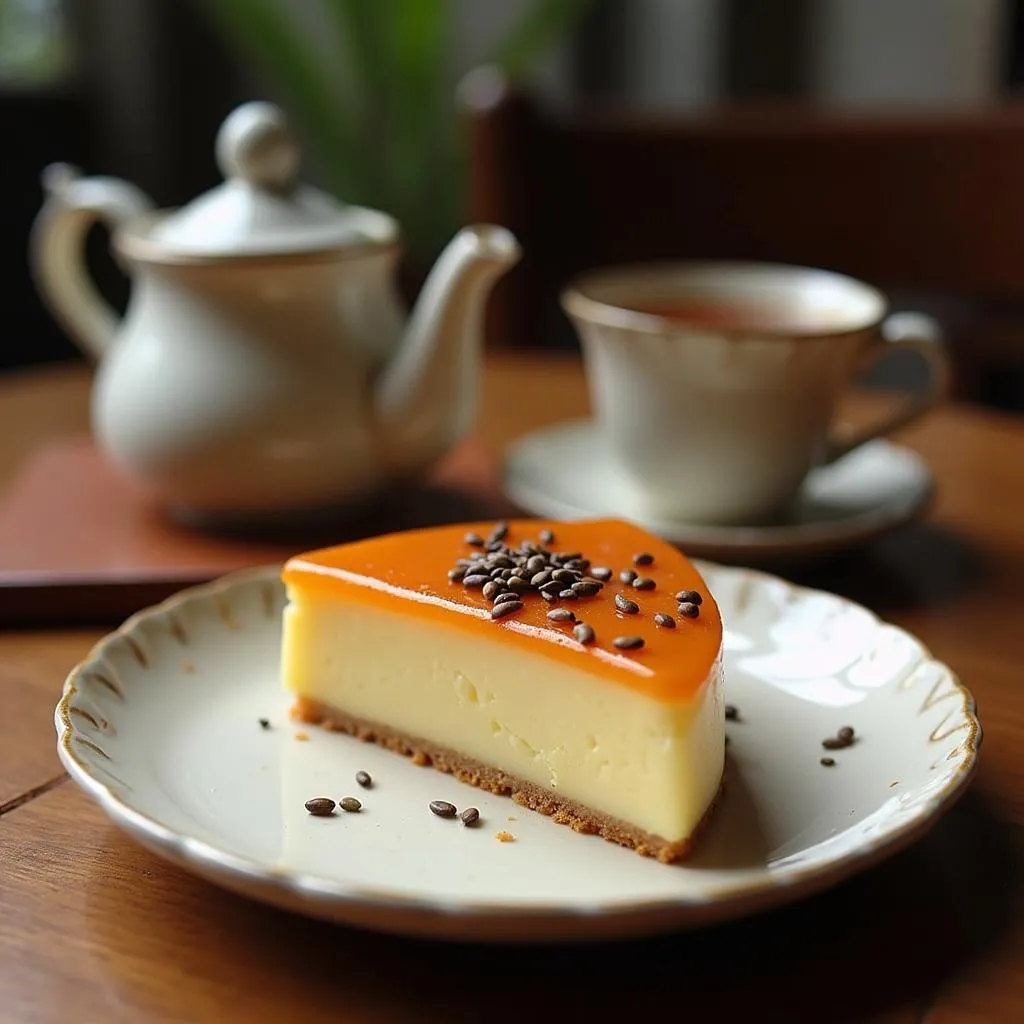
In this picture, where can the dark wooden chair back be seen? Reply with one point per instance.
(922, 204)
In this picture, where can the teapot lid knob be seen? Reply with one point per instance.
(262, 208)
(256, 143)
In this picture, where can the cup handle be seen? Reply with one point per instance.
(915, 332)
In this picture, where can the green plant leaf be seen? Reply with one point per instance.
(384, 126)
(418, 34)
(359, 33)
(358, 25)
(541, 26)
(398, 63)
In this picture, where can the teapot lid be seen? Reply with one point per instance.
(261, 208)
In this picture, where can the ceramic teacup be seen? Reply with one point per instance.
(716, 384)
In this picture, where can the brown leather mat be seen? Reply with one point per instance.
(79, 544)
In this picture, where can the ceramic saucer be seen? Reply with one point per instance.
(563, 472)
(161, 726)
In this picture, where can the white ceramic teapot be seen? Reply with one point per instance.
(263, 364)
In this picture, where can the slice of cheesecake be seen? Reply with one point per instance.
(575, 666)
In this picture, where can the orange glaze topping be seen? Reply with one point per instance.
(408, 573)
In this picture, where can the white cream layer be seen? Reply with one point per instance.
(655, 765)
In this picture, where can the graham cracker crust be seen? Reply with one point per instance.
(465, 769)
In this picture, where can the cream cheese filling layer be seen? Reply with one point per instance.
(652, 764)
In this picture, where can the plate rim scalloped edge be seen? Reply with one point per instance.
(209, 862)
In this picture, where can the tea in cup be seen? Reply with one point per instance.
(715, 385)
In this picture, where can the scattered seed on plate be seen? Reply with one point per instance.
(828, 762)
(626, 606)
(842, 739)
(320, 806)
(264, 723)
(732, 713)
(627, 576)
(478, 579)
(364, 779)
(688, 610)
(474, 539)
(504, 837)
(689, 597)
(583, 633)
(665, 621)
(601, 572)
(302, 737)
(628, 643)
(443, 809)
(470, 816)
(350, 804)
(644, 583)
(547, 537)
(561, 615)
(644, 558)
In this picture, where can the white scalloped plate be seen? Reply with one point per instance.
(161, 726)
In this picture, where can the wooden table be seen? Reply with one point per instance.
(94, 929)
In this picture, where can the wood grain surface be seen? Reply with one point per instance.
(95, 929)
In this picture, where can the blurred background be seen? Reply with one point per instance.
(138, 89)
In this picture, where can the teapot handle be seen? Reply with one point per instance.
(57, 246)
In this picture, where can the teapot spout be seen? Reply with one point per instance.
(426, 397)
